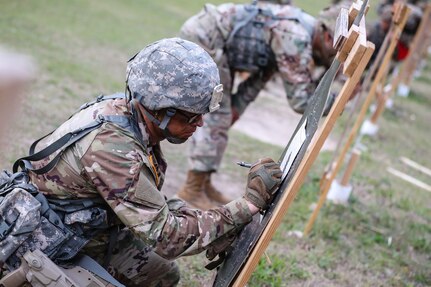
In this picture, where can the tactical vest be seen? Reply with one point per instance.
(247, 48)
(29, 221)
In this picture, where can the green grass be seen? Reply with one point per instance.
(382, 238)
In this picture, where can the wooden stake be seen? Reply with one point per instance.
(416, 166)
(381, 104)
(409, 178)
(380, 73)
(341, 28)
(382, 97)
(357, 51)
(348, 44)
(354, 10)
(350, 166)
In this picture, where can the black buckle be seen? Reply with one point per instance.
(99, 98)
(100, 118)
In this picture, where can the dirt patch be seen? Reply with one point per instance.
(270, 119)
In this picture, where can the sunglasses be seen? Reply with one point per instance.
(191, 118)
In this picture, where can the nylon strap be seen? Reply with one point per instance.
(166, 119)
(100, 98)
(70, 138)
(59, 145)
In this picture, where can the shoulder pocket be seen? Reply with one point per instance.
(146, 190)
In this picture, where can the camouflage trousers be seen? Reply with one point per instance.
(208, 143)
(133, 263)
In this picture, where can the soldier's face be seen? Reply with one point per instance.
(183, 124)
(323, 52)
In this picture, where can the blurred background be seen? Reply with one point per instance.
(76, 50)
(81, 48)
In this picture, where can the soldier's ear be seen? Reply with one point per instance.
(328, 38)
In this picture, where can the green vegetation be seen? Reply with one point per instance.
(383, 238)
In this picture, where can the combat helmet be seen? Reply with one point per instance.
(174, 74)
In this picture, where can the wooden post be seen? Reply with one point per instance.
(319, 138)
(381, 98)
(380, 107)
(398, 27)
(350, 166)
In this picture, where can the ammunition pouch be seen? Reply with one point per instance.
(28, 221)
(33, 227)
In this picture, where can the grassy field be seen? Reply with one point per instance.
(382, 238)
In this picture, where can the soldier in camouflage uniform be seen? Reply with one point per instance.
(379, 28)
(297, 42)
(170, 85)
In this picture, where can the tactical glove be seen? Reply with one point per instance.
(263, 180)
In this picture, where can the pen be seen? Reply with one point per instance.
(244, 164)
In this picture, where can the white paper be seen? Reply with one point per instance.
(293, 149)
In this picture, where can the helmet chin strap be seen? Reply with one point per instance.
(171, 138)
(163, 125)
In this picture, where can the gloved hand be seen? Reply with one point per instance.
(263, 180)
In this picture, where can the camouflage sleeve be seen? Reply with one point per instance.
(292, 48)
(117, 167)
(210, 28)
(249, 89)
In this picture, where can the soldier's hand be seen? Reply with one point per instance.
(263, 180)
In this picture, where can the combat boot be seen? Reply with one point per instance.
(193, 193)
(212, 192)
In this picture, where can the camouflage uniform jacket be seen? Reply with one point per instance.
(289, 40)
(110, 162)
